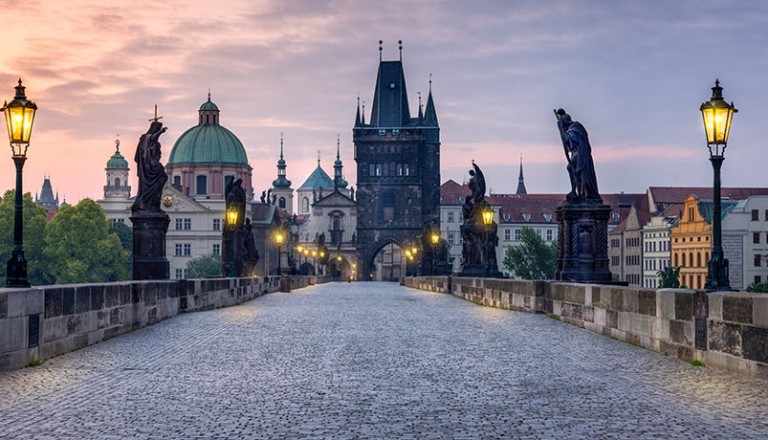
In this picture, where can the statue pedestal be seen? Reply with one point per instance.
(582, 251)
(149, 229)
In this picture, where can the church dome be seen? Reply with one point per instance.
(117, 161)
(208, 142)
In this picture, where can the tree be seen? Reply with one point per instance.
(207, 266)
(125, 234)
(80, 249)
(34, 219)
(670, 277)
(758, 287)
(533, 259)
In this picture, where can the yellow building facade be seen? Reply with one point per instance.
(691, 244)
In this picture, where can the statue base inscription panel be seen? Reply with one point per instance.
(582, 251)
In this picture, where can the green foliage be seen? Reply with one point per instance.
(34, 363)
(534, 259)
(80, 249)
(34, 219)
(125, 234)
(207, 266)
(670, 277)
(758, 287)
(697, 363)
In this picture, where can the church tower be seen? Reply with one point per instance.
(117, 176)
(398, 166)
(281, 187)
(521, 180)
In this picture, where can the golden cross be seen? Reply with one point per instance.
(156, 118)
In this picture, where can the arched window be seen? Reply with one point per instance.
(690, 259)
(676, 261)
(281, 202)
(684, 265)
(698, 259)
(117, 182)
(202, 185)
(207, 119)
(305, 205)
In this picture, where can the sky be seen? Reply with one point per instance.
(633, 72)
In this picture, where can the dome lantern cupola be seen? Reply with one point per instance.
(209, 112)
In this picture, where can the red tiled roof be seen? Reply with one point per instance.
(450, 191)
(666, 195)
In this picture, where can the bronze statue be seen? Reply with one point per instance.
(151, 172)
(476, 184)
(578, 153)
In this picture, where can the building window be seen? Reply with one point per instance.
(755, 215)
(177, 181)
(450, 217)
(179, 274)
(281, 202)
(187, 224)
(217, 249)
(305, 205)
(187, 249)
(217, 224)
(451, 237)
(758, 257)
(690, 213)
(179, 224)
(517, 234)
(756, 237)
(399, 169)
(766, 215)
(758, 279)
(177, 249)
(202, 185)
(507, 234)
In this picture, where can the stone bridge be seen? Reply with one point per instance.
(374, 360)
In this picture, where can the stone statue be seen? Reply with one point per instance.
(249, 256)
(274, 199)
(352, 192)
(477, 184)
(269, 195)
(235, 200)
(264, 197)
(578, 153)
(151, 172)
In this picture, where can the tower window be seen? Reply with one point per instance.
(305, 204)
(117, 182)
(177, 181)
(281, 202)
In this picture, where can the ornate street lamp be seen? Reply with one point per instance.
(435, 238)
(232, 215)
(487, 212)
(19, 117)
(717, 114)
(279, 239)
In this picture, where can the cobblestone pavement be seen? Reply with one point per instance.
(373, 360)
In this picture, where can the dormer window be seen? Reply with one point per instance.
(547, 217)
(526, 217)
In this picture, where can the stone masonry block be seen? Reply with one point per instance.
(97, 297)
(737, 309)
(629, 301)
(616, 300)
(17, 303)
(112, 295)
(716, 306)
(665, 303)
(754, 342)
(683, 306)
(599, 316)
(588, 288)
(677, 332)
(574, 293)
(54, 303)
(13, 334)
(625, 321)
(82, 299)
(646, 302)
(3, 305)
(612, 318)
(725, 337)
(760, 310)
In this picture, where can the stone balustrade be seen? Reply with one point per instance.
(727, 330)
(39, 323)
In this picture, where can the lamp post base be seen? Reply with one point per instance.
(16, 274)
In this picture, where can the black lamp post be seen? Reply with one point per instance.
(230, 242)
(717, 116)
(435, 239)
(279, 238)
(487, 212)
(19, 117)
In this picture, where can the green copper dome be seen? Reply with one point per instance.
(319, 179)
(208, 142)
(117, 161)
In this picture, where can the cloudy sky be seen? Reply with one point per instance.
(633, 72)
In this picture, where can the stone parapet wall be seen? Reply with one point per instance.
(39, 323)
(732, 327)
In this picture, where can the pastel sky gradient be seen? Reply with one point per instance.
(633, 72)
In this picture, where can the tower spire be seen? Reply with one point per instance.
(281, 181)
(400, 48)
(521, 179)
(357, 116)
(380, 49)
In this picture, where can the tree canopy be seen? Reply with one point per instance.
(533, 259)
(669, 277)
(207, 266)
(80, 249)
(34, 219)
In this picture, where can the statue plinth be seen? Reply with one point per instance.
(149, 229)
(582, 246)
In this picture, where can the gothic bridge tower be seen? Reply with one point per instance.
(398, 167)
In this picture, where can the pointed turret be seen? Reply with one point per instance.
(521, 180)
(430, 115)
(281, 181)
(390, 99)
(338, 179)
(357, 116)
